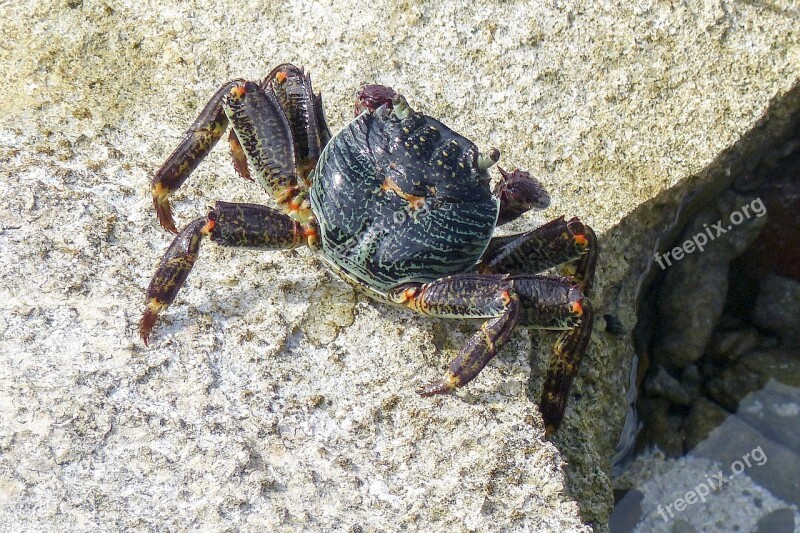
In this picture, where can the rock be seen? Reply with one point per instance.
(729, 346)
(732, 384)
(778, 521)
(695, 287)
(742, 450)
(775, 412)
(661, 383)
(662, 428)
(692, 381)
(778, 308)
(777, 251)
(627, 512)
(238, 418)
(751, 373)
(703, 417)
(691, 302)
(780, 364)
(682, 526)
(684, 493)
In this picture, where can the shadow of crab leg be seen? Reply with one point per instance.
(228, 224)
(555, 243)
(197, 142)
(466, 296)
(557, 304)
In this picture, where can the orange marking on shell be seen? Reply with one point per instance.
(280, 77)
(416, 202)
(237, 92)
(576, 308)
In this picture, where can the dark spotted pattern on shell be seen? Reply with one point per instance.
(401, 200)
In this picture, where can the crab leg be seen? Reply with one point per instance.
(551, 303)
(197, 142)
(303, 110)
(228, 224)
(265, 135)
(567, 354)
(555, 243)
(558, 242)
(466, 296)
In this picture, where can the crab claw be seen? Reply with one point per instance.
(518, 193)
(371, 97)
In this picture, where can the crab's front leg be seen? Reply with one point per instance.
(466, 296)
(228, 224)
(559, 242)
(197, 142)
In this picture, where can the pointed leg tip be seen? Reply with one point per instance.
(434, 388)
(165, 218)
(146, 324)
(169, 226)
(164, 211)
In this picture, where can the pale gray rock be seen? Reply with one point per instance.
(255, 407)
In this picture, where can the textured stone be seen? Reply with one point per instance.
(778, 521)
(778, 306)
(250, 411)
(696, 286)
(740, 449)
(703, 417)
(775, 412)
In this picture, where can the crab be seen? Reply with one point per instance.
(397, 204)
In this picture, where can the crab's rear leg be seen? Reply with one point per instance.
(559, 242)
(466, 296)
(573, 245)
(228, 224)
(557, 304)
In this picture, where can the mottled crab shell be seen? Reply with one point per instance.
(401, 200)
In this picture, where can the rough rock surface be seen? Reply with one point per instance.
(272, 396)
